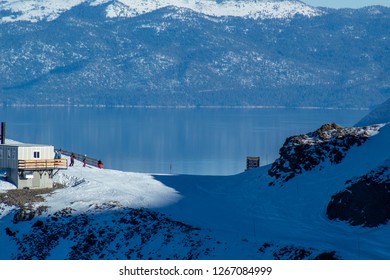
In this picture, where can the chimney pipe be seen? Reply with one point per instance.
(3, 133)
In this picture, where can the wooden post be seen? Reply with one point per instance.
(2, 132)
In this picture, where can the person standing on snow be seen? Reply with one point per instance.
(71, 159)
(85, 161)
(100, 164)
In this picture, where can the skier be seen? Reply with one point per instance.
(100, 164)
(71, 159)
(85, 161)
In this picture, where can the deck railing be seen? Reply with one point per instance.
(43, 164)
(90, 161)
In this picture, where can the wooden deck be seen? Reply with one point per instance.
(42, 164)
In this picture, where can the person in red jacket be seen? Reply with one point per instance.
(100, 164)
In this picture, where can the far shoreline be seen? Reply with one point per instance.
(181, 106)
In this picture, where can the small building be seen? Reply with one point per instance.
(29, 165)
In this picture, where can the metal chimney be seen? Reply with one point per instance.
(3, 133)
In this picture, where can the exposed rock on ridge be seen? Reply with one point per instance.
(122, 234)
(307, 151)
(366, 202)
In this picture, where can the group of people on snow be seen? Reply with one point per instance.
(57, 155)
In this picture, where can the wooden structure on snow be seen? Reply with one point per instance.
(30, 166)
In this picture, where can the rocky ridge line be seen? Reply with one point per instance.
(308, 151)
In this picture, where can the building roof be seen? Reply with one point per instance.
(23, 145)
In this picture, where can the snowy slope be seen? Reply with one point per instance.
(110, 214)
(36, 10)
(380, 114)
(245, 207)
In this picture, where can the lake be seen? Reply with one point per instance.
(207, 141)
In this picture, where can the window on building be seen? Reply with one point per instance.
(36, 154)
(8, 154)
(1, 154)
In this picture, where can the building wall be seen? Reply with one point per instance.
(35, 152)
(13, 176)
(11, 154)
(38, 180)
(8, 156)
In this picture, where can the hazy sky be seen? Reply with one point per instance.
(346, 3)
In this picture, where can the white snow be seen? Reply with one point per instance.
(91, 186)
(37, 10)
(249, 9)
(5, 186)
(5, 209)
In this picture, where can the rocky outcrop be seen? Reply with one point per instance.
(365, 202)
(308, 151)
(293, 252)
(119, 234)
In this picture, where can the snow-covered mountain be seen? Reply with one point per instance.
(192, 53)
(380, 114)
(334, 209)
(51, 9)
(249, 9)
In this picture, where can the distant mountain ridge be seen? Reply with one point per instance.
(248, 9)
(77, 52)
(380, 114)
(50, 9)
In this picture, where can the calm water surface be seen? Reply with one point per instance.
(211, 141)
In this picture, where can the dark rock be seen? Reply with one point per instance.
(37, 224)
(24, 215)
(306, 152)
(291, 253)
(123, 234)
(327, 256)
(366, 202)
(264, 247)
(9, 232)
